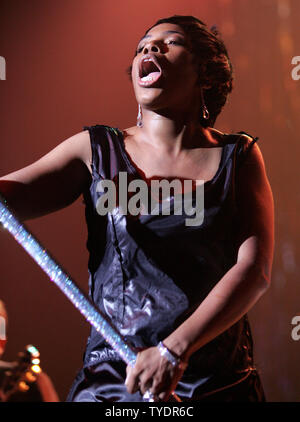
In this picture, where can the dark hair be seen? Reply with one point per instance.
(211, 56)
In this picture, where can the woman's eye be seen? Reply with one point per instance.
(139, 49)
(177, 42)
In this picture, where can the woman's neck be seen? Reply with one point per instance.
(171, 135)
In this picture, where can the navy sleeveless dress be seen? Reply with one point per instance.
(148, 273)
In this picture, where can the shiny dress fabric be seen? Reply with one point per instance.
(148, 273)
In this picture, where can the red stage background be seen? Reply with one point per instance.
(65, 68)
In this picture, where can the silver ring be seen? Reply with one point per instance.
(148, 396)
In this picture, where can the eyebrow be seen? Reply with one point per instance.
(164, 33)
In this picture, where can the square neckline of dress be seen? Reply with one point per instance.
(135, 170)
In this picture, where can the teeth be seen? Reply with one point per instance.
(145, 70)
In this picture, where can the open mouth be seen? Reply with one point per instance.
(149, 71)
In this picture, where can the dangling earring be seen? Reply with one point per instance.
(139, 120)
(205, 112)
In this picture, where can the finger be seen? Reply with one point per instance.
(145, 385)
(132, 381)
(164, 396)
(143, 389)
(128, 369)
(163, 388)
(157, 386)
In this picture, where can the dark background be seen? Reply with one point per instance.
(66, 62)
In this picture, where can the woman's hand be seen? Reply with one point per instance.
(152, 372)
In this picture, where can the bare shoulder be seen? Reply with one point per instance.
(253, 157)
(56, 179)
(79, 146)
(254, 192)
(76, 147)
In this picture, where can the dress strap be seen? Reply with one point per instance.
(246, 144)
(107, 159)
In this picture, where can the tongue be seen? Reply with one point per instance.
(149, 77)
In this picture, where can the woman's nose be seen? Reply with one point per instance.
(151, 46)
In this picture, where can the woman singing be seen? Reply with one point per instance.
(178, 293)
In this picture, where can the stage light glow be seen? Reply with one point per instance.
(23, 386)
(36, 369)
(30, 377)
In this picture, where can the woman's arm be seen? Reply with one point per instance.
(52, 182)
(234, 294)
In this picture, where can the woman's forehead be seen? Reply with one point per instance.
(164, 29)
